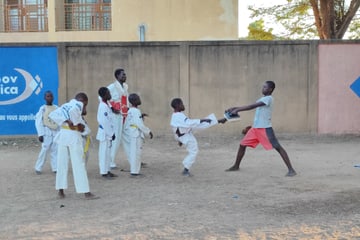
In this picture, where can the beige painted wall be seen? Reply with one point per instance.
(312, 79)
(339, 106)
(164, 20)
(209, 76)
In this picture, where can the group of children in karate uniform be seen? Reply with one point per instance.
(64, 132)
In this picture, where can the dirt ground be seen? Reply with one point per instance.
(257, 202)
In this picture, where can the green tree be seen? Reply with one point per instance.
(257, 31)
(311, 19)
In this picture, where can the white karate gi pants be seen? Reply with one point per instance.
(104, 156)
(78, 166)
(191, 145)
(118, 127)
(133, 148)
(47, 146)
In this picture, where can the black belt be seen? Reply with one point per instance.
(178, 133)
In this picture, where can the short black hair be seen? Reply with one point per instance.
(102, 91)
(81, 96)
(133, 97)
(271, 84)
(48, 92)
(118, 71)
(175, 102)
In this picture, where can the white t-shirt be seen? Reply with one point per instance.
(262, 118)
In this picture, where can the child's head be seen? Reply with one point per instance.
(49, 97)
(134, 99)
(82, 97)
(177, 104)
(104, 93)
(268, 88)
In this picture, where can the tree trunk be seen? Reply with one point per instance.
(317, 16)
(325, 18)
(354, 6)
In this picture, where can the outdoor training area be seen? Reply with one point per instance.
(121, 95)
(258, 202)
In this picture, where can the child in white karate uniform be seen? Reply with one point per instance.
(46, 130)
(70, 144)
(134, 134)
(106, 133)
(183, 127)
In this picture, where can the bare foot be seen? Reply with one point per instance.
(61, 193)
(90, 196)
(233, 168)
(291, 173)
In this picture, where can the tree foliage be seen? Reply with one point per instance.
(257, 31)
(309, 19)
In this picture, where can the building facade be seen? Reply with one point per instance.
(120, 20)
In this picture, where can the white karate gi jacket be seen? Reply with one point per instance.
(105, 120)
(41, 128)
(71, 110)
(116, 91)
(134, 132)
(185, 125)
(134, 124)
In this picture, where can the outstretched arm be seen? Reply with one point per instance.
(235, 110)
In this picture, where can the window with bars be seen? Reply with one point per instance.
(23, 16)
(84, 15)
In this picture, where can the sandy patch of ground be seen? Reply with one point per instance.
(257, 202)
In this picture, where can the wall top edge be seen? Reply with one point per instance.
(177, 43)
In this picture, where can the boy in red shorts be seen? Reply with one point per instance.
(261, 131)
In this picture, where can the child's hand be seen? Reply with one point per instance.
(113, 137)
(70, 123)
(151, 135)
(180, 144)
(144, 115)
(245, 130)
(80, 127)
(41, 138)
(231, 110)
(223, 120)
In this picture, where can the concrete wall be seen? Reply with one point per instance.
(209, 76)
(164, 20)
(312, 79)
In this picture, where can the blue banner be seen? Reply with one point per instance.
(26, 73)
